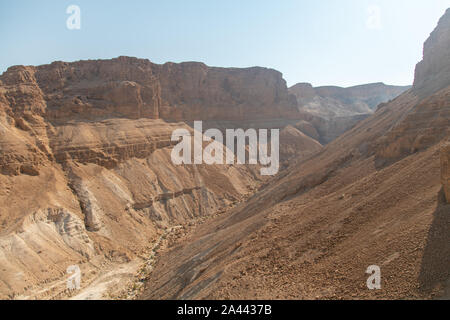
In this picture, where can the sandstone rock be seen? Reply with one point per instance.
(308, 129)
(329, 130)
(433, 72)
(300, 232)
(295, 144)
(330, 102)
(334, 110)
(89, 206)
(136, 88)
(427, 120)
(194, 91)
(86, 140)
(426, 123)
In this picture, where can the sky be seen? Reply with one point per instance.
(324, 42)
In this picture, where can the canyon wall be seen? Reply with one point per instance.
(134, 88)
(330, 101)
(428, 121)
(334, 110)
(433, 72)
(86, 175)
(41, 104)
(370, 197)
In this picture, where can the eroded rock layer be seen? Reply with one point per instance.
(86, 175)
(433, 72)
(370, 197)
(334, 110)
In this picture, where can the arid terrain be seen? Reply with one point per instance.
(377, 195)
(86, 178)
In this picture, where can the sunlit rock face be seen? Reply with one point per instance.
(87, 146)
(333, 110)
(427, 121)
(433, 72)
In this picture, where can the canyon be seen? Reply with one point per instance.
(86, 175)
(333, 110)
(86, 179)
(376, 195)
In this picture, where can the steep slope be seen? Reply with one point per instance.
(433, 72)
(294, 144)
(371, 197)
(134, 88)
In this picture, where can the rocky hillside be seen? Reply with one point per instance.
(335, 110)
(331, 102)
(373, 196)
(85, 171)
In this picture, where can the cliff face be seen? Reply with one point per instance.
(428, 120)
(39, 102)
(85, 159)
(334, 110)
(312, 232)
(427, 123)
(433, 72)
(330, 102)
(193, 91)
(136, 88)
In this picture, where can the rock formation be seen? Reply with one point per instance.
(86, 178)
(433, 72)
(294, 144)
(85, 167)
(333, 110)
(330, 102)
(312, 232)
(136, 88)
(428, 119)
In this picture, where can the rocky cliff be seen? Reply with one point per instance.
(193, 91)
(331, 101)
(85, 170)
(312, 232)
(39, 102)
(333, 110)
(136, 88)
(433, 72)
(428, 120)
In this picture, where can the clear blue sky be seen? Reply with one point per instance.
(319, 41)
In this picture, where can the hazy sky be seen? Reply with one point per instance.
(339, 42)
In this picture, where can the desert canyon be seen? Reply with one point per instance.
(86, 179)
